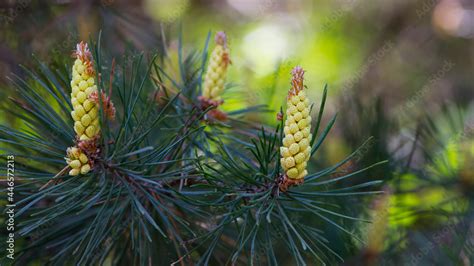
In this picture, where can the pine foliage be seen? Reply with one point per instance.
(172, 180)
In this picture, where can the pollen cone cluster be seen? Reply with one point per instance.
(296, 148)
(78, 161)
(85, 109)
(216, 71)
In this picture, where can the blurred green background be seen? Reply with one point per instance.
(400, 71)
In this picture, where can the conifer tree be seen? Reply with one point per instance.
(153, 180)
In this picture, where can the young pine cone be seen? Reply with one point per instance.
(216, 70)
(85, 109)
(296, 148)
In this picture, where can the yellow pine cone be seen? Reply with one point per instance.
(85, 110)
(78, 161)
(296, 148)
(217, 70)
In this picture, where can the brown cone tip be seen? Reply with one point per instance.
(221, 38)
(83, 53)
(297, 81)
